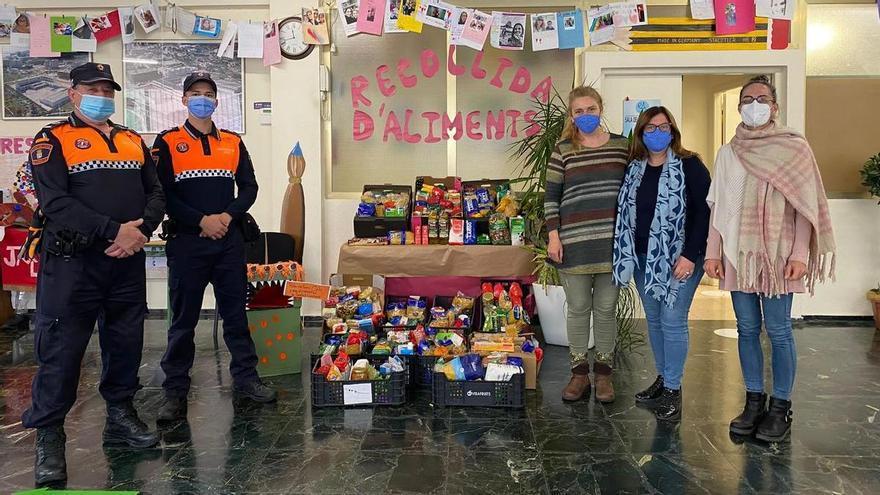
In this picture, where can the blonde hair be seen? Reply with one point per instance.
(570, 131)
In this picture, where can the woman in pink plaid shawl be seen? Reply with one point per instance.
(770, 237)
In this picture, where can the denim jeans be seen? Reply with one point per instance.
(668, 327)
(775, 312)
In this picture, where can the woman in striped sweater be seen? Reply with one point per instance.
(583, 180)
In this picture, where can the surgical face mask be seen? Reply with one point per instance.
(658, 140)
(97, 108)
(587, 123)
(756, 114)
(201, 107)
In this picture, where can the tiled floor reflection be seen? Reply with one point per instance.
(550, 447)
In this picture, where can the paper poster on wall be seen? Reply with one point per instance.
(627, 14)
(434, 13)
(392, 9)
(83, 39)
(371, 17)
(13, 154)
(508, 30)
(126, 20)
(348, 14)
(734, 16)
(406, 19)
(37, 88)
(62, 33)
(41, 37)
(631, 111)
(314, 27)
(601, 24)
(152, 91)
(207, 27)
(186, 21)
(544, 33)
(702, 9)
(7, 21)
(271, 46)
(570, 27)
(250, 40)
(227, 47)
(775, 9)
(147, 16)
(458, 19)
(106, 26)
(477, 30)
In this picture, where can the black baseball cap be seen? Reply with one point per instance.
(92, 72)
(198, 76)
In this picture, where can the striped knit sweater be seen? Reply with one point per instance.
(581, 202)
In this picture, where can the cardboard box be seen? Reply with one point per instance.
(530, 362)
(380, 226)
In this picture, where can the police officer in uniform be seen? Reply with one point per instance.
(200, 167)
(97, 187)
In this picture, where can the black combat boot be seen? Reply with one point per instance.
(651, 393)
(753, 413)
(125, 427)
(668, 406)
(255, 391)
(50, 467)
(776, 423)
(172, 409)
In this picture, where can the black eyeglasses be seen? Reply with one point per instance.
(663, 127)
(761, 99)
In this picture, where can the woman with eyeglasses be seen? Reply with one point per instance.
(583, 179)
(660, 241)
(770, 237)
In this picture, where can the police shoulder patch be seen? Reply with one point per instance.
(40, 153)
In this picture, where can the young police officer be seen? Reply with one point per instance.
(97, 187)
(200, 167)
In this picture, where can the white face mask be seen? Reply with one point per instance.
(755, 114)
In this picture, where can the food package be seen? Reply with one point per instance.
(470, 232)
(360, 370)
(401, 238)
(517, 231)
(496, 372)
(456, 232)
(499, 230)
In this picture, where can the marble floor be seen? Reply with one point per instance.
(549, 447)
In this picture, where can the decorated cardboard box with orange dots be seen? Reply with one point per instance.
(277, 335)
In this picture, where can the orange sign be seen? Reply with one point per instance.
(306, 290)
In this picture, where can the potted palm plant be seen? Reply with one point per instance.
(871, 179)
(532, 154)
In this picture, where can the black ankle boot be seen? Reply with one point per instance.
(668, 406)
(753, 413)
(255, 391)
(50, 466)
(651, 393)
(777, 423)
(125, 427)
(172, 409)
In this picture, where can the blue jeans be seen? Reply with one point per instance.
(777, 320)
(668, 327)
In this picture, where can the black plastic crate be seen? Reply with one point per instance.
(380, 226)
(510, 394)
(390, 392)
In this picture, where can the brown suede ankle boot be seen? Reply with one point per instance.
(604, 387)
(579, 385)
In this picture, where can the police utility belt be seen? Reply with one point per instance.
(249, 229)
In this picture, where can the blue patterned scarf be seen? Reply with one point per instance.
(667, 230)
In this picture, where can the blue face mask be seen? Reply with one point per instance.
(658, 140)
(587, 123)
(201, 107)
(97, 108)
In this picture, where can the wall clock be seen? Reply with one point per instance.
(290, 36)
